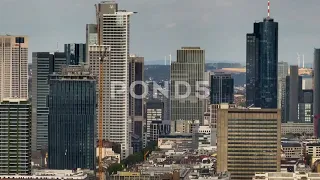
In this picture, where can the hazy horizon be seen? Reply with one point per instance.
(162, 27)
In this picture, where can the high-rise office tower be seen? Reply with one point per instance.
(94, 54)
(154, 118)
(13, 67)
(293, 95)
(72, 119)
(91, 37)
(188, 68)
(114, 29)
(305, 107)
(252, 70)
(222, 88)
(75, 53)
(316, 90)
(43, 64)
(307, 82)
(283, 69)
(136, 105)
(221, 91)
(262, 64)
(249, 141)
(15, 117)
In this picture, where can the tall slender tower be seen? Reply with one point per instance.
(114, 29)
(136, 105)
(262, 63)
(13, 67)
(316, 90)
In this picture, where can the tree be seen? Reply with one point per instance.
(308, 159)
(114, 168)
(133, 159)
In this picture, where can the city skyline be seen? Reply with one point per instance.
(297, 32)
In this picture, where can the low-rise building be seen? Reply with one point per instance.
(108, 152)
(292, 150)
(202, 137)
(313, 149)
(51, 174)
(286, 176)
(176, 141)
(296, 128)
(140, 176)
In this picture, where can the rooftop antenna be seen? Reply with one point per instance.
(57, 46)
(268, 9)
(303, 61)
(170, 59)
(298, 58)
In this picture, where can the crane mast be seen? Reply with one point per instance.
(101, 80)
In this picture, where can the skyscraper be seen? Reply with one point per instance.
(316, 90)
(136, 105)
(252, 69)
(262, 64)
(188, 68)
(43, 64)
(13, 67)
(72, 119)
(222, 88)
(91, 37)
(249, 141)
(283, 68)
(15, 117)
(114, 31)
(305, 107)
(294, 94)
(154, 118)
(75, 53)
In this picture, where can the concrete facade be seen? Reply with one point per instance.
(251, 136)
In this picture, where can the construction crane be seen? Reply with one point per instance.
(145, 155)
(101, 80)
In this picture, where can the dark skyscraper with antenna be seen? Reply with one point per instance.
(262, 64)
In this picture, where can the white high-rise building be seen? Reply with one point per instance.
(13, 67)
(114, 31)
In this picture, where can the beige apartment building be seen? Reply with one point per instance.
(13, 67)
(248, 140)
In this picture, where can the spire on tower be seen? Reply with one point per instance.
(268, 8)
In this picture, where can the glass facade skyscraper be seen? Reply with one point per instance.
(72, 120)
(43, 64)
(222, 88)
(75, 53)
(316, 95)
(262, 64)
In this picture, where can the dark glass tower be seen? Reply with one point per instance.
(75, 53)
(316, 95)
(222, 88)
(43, 64)
(262, 64)
(72, 120)
(294, 95)
(136, 105)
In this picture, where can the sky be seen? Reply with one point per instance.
(162, 26)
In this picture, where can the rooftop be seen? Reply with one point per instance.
(50, 174)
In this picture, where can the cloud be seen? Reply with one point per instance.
(170, 25)
(223, 3)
